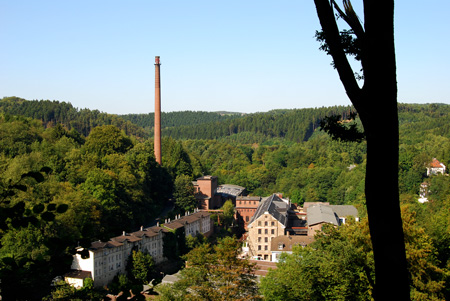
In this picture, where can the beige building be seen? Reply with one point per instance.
(268, 222)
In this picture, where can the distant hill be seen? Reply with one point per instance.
(181, 118)
(53, 112)
(294, 125)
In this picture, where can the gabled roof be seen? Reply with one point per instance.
(321, 214)
(345, 210)
(274, 206)
(287, 242)
(436, 164)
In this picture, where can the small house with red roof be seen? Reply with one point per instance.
(435, 167)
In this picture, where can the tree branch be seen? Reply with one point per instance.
(331, 32)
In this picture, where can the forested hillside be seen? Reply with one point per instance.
(110, 181)
(177, 119)
(53, 112)
(293, 125)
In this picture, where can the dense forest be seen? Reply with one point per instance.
(71, 176)
(54, 112)
(177, 119)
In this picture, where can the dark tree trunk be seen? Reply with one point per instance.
(376, 103)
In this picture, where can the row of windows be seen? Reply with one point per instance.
(266, 239)
(266, 223)
(266, 248)
(247, 202)
(266, 231)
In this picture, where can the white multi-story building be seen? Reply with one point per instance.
(108, 259)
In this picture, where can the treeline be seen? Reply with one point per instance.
(54, 112)
(177, 119)
(293, 125)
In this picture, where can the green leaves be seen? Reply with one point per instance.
(343, 130)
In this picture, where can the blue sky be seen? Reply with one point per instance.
(244, 56)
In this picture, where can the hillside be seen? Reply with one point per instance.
(182, 118)
(54, 112)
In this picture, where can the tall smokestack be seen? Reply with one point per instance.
(157, 111)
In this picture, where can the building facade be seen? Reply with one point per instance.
(245, 209)
(108, 259)
(268, 222)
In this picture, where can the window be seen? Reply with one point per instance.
(266, 239)
(280, 246)
(259, 223)
(272, 231)
(259, 247)
(259, 239)
(265, 248)
(266, 231)
(259, 231)
(265, 223)
(246, 218)
(273, 224)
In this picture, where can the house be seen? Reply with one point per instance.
(345, 211)
(435, 167)
(268, 222)
(284, 244)
(423, 192)
(318, 215)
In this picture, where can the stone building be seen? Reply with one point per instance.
(268, 222)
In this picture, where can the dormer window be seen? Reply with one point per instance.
(280, 246)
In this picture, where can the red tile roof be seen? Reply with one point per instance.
(435, 163)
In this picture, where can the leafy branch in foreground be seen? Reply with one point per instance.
(343, 130)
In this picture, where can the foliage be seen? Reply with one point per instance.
(184, 194)
(99, 186)
(214, 273)
(228, 213)
(65, 291)
(140, 266)
(339, 265)
(177, 119)
(50, 113)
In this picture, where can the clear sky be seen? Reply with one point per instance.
(242, 56)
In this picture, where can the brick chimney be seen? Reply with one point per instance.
(157, 111)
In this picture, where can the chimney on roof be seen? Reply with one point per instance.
(157, 111)
(142, 228)
(124, 233)
(157, 224)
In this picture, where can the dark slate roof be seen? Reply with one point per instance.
(78, 274)
(275, 206)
